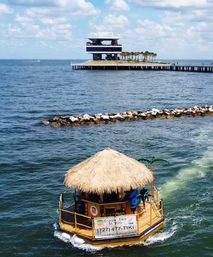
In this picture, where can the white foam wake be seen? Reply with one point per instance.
(76, 241)
(161, 236)
(198, 169)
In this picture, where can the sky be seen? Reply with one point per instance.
(58, 29)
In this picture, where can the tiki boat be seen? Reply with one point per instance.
(115, 201)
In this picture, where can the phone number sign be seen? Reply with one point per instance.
(109, 227)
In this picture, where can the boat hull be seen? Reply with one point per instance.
(115, 242)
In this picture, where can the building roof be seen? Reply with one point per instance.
(108, 171)
(103, 38)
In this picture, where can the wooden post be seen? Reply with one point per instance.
(150, 213)
(93, 232)
(152, 190)
(157, 198)
(137, 220)
(162, 210)
(60, 206)
(75, 220)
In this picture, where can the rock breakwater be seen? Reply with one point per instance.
(92, 119)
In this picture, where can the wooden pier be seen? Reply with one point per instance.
(163, 67)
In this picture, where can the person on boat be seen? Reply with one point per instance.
(134, 200)
(79, 204)
(144, 195)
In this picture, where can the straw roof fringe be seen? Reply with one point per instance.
(108, 171)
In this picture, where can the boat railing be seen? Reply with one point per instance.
(80, 221)
(158, 202)
(77, 220)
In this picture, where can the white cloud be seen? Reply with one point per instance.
(110, 23)
(43, 28)
(102, 34)
(118, 5)
(73, 7)
(53, 21)
(182, 31)
(113, 21)
(5, 9)
(172, 3)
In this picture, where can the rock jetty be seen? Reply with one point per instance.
(92, 119)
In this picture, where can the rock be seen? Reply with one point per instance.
(55, 118)
(118, 116)
(123, 113)
(142, 114)
(195, 107)
(65, 117)
(55, 124)
(86, 117)
(135, 113)
(105, 117)
(129, 115)
(156, 111)
(73, 119)
(45, 122)
(97, 116)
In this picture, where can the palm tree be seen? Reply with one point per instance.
(150, 162)
(146, 55)
(137, 56)
(132, 54)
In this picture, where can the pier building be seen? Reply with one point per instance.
(104, 48)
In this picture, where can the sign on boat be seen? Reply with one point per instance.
(115, 201)
(112, 227)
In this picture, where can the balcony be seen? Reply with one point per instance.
(102, 49)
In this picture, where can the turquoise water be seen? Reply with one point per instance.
(34, 158)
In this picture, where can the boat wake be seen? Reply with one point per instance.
(161, 236)
(76, 241)
(198, 169)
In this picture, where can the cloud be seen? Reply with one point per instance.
(45, 20)
(102, 34)
(48, 7)
(32, 2)
(176, 4)
(118, 5)
(58, 29)
(5, 9)
(111, 23)
(182, 31)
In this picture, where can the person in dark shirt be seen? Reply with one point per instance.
(144, 195)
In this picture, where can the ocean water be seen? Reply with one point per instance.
(34, 158)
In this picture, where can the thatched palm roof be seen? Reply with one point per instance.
(108, 171)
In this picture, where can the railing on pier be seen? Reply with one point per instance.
(153, 67)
